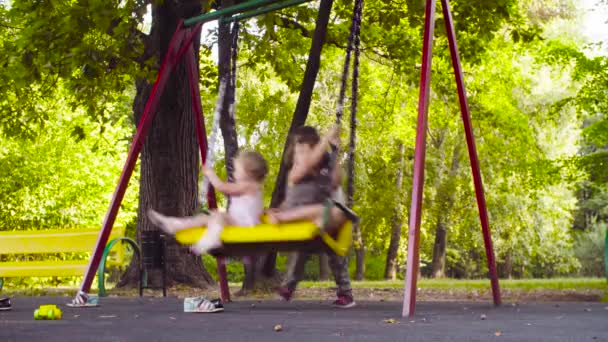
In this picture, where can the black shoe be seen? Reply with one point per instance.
(5, 304)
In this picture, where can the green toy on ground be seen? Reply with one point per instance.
(47, 312)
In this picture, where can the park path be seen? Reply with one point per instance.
(162, 319)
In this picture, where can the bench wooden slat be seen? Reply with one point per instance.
(53, 268)
(52, 241)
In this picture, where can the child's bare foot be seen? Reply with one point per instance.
(168, 224)
(206, 244)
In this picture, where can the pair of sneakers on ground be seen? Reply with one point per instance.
(345, 298)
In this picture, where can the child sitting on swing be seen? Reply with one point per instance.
(310, 185)
(246, 203)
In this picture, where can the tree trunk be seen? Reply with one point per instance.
(508, 265)
(445, 202)
(227, 121)
(300, 114)
(169, 159)
(323, 267)
(390, 270)
(439, 248)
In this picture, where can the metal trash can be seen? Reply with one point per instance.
(153, 247)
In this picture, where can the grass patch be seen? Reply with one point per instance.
(521, 286)
(473, 284)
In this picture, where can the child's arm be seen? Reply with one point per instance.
(298, 171)
(230, 189)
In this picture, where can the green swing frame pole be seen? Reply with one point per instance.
(264, 10)
(228, 11)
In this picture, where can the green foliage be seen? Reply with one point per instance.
(65, 175)
(235, 271)
(92, 48)
(589, 247)
(538, 102)
(374, 267)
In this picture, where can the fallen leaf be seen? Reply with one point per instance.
(390, 321)
(497, 333)
(278, 327)
(483, 317)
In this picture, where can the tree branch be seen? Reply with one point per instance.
(290, 23)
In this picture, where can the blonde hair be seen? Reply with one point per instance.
(254, 164)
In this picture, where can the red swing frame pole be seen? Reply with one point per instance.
(468, 129)
(142, 130)
(203, 145)
(413, 254)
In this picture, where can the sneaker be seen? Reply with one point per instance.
(345, 300)
(202, 305)
(83, 299)
(5, 304)
(285, 293)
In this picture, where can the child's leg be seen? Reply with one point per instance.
(211, 239)
(295, 270)
(336, 220)
(172, 225)
(339, 268)
(306, 212)
(313, 212)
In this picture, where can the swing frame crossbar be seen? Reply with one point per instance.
(243, 10)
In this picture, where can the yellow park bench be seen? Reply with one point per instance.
(59, 241)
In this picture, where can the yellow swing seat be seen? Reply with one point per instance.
(265, 237)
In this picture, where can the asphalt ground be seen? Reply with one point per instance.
(163, 319)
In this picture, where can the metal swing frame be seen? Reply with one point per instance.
(180, 49)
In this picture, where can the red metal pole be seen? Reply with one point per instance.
(466, 119)
(136, 145)
(413, 256)
(202, 143)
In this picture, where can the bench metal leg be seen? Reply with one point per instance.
(102, 265)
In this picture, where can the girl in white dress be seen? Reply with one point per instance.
(246, 203)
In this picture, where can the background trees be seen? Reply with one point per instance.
(75, 75)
